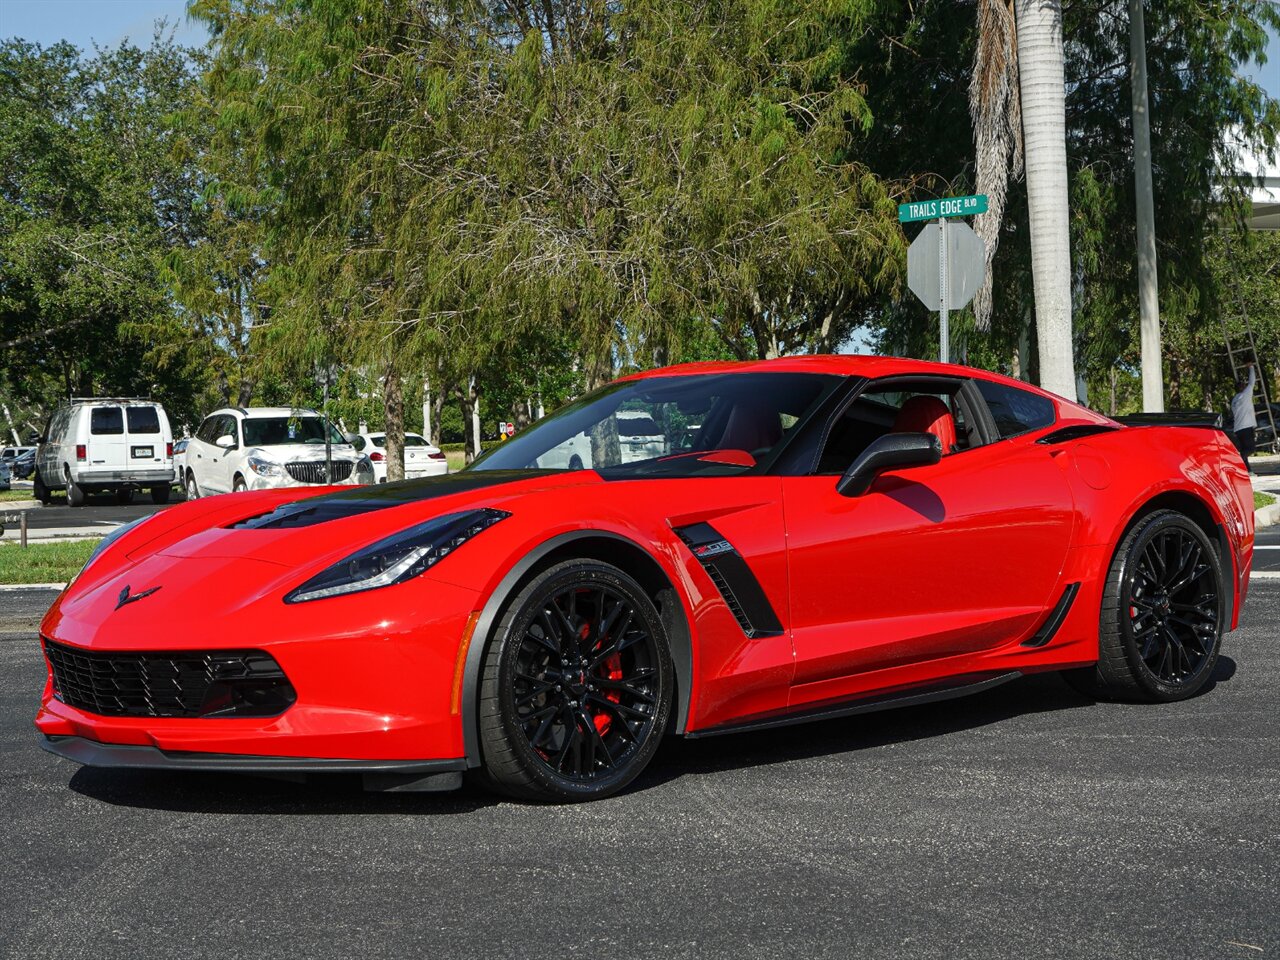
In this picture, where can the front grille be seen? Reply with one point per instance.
(313, 471)
(226, 683)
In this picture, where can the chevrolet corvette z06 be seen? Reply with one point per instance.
(802, 538)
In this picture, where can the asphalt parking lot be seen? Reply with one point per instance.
(1026, 821)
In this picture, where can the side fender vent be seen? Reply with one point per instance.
(729, 572)
(1055, 618)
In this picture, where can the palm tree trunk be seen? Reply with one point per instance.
(1044, 131)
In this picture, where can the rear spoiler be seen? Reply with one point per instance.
(1174, 418)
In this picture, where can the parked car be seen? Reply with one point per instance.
(639, 438)
(10, 454)
(421, 459)
(24, 465)
(851, 534)
(259, 448)
(5, 475)
(103, 444)
(180, 461)
(1265, 436)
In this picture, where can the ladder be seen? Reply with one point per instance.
(1250, 352)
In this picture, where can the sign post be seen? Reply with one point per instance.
(945, 270)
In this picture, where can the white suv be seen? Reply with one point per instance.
(257, 448)
(113, 445)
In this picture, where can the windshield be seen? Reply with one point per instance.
(277, 431)
(711, 425)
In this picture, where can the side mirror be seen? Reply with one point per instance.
(892, 451)
(226, 442)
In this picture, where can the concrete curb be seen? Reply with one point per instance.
(20, 505)
(14, 587)
(1267, 516)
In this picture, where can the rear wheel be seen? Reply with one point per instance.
(193, 491)
(160, 494)
(75, 492)
(577, 686)
(1162, 614)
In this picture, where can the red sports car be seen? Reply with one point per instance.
(690, 551)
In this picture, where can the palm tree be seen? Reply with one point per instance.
(1032, 52)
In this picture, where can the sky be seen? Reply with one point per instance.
(107, 22)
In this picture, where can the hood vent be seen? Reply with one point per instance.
(355, 501)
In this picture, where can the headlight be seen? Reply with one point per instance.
(107, 541)
(265, 468)
(397, 558)
(364, 470)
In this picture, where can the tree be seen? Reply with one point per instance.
(90, 201)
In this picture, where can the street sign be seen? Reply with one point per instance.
(969, 206)
(946, 265)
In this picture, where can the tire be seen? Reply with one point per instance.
(124, 496)
(555, 730)
(193, 491)
(160, 494)
(1163, 610)
(75, 492)
(239, 486)
(42, 492)
(575, 462)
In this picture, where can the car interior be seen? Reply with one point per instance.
(939, 407)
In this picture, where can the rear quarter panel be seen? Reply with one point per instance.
(1116, 475)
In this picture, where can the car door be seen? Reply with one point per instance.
(107, 446)
(935, 561)
(144, 441)
(204, 456)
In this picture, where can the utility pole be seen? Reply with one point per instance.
(1148, 286)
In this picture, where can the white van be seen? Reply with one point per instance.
(107, 444)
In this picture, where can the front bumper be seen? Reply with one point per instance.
(373, 679)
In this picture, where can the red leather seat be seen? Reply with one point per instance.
(753, 425)
(928, 415)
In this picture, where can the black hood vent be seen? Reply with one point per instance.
(360, 500)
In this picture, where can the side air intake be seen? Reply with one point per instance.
(738, 586)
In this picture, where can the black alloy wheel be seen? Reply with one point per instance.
(577, 687)
(1163, 612)
(1173, 605)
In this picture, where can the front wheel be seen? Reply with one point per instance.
(42, 492)
(193, 490)
(577, 686)
(1163, 611)
(160, 494)
(124, 496)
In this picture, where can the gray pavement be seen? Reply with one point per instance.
(1024, 822)
(1266, 550)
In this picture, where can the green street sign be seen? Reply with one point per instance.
(942, 208)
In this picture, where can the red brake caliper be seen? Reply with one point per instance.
(612, 669)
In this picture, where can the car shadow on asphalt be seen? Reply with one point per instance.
(1036, 694)
(341, 794)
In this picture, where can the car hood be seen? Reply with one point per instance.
(300, 535)
(302, 453)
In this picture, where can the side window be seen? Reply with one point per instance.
(142, 419)
(226, 427)
(205, 433)
(895, 409)
(106, 421)
(1015, 411)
